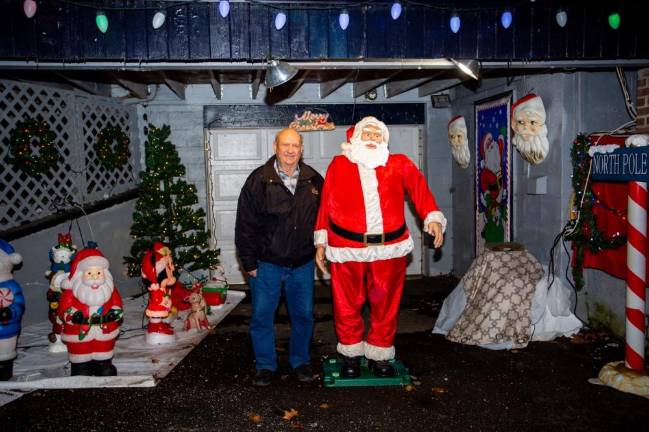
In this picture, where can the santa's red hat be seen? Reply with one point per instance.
(457, 122)
(350, 133)
(148, 268)
(152, 262)
(529, 103)
(86, 258)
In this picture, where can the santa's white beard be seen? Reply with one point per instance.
(535, 148)
(492, 159)
(461, 154)
(369, 157)
(84, 292)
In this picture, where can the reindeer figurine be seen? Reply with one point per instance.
(197, 318)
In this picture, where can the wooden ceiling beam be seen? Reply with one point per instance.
(215, 81)
(330, 86)
(139, 90)
(437, 86)
(396, 87)
(362, 86)
(256, 82)
(176, 86)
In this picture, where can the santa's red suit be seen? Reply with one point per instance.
(87, 342)
(359, 201)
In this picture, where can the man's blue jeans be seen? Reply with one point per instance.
(266, 291)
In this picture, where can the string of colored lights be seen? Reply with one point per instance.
(455, 22)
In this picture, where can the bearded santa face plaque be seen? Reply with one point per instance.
(457, 137)
(530, 131)
(493, 183)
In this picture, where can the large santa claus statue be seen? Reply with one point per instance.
(12, 307)
(530, 131)
(362, 231)
(91, 311)
(457, 137)
(158, 277)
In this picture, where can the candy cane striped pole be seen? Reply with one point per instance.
(636, 275)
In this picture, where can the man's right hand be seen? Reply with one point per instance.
(320, 259)
(253, 273)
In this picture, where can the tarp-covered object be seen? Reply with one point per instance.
(504, 301)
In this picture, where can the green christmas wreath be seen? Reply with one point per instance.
(112, 157)
(20, 150)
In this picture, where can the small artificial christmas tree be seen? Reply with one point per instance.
(165, 210)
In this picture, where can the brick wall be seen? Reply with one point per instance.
(642, 101)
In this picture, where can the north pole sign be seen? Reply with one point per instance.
(622, 165)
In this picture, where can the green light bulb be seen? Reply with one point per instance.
(102, 21)
(614, 20)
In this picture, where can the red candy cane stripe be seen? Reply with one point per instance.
(636, 275)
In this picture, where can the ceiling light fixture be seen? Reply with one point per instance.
(278, 72)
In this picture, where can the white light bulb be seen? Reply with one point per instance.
(455, 23)
(280, 20)
(395, 11)
(343, 20)
(159, 19)
(29, 7)
(506, 19)
(562, 18)
(224, 8)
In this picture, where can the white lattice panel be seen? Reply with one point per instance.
(75, 120)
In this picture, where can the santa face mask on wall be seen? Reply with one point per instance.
(457, 137)
(530, 131)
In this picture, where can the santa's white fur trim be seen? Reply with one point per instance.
(373, 352)
(530, 104)
(320, 237)
(93, 261)
(370, 187)
(435, 216)
(458, 123)
(159, 338)
(370, 253)
(83, 358)
(354, 350)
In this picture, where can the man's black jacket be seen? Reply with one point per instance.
(273, 225)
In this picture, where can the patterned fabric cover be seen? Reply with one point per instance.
(499, 287)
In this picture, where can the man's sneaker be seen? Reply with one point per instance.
(304, 373)
(262, 378)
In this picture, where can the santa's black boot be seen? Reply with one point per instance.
(351, 367)
(83, 369)
(381, 369)
(6, 370)
(105, 368)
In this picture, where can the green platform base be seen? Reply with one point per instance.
(332, 378)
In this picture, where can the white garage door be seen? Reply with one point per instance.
(232, 154)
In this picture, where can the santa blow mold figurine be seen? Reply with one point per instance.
(61, 257)
(91, 311)
(12, 306)
(158, 276)
(361, 223)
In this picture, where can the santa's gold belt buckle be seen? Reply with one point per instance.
(381, 236)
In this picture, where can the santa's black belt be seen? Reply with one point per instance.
(368, 238)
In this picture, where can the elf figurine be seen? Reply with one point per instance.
(158, 277)
(61, 256)
(12, 307)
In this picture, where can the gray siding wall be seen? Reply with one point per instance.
(577, 102)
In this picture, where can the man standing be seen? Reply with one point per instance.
(362, 225)
(276, 216)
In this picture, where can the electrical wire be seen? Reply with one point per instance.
(630, 106)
